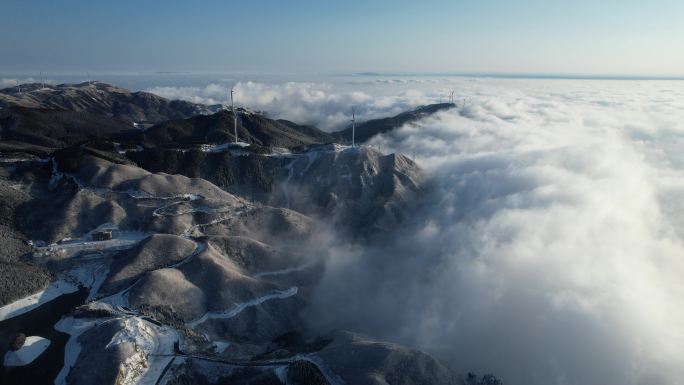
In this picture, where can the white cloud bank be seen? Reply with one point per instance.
(314, 103)
(554, 250)
(13, 82)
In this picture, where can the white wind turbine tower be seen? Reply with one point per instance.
(353, 120)
(232, 108)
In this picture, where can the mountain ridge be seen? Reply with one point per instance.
(140, 107)
(366, 130)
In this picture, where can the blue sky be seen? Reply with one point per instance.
(578, 37)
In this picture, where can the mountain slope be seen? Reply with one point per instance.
(366, 130)
(17, 278)
(218, 128)
(53, 128)
(359, 188)
(100, 99)
(39, 120)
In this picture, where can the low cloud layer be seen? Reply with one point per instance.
(13, 82)
(316, 103)
(552, 251)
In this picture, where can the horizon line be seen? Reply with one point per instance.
(468, 74)
(527, 75)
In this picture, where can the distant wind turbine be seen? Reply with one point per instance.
(353, 120)
(232, 108)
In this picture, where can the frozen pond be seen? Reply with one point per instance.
(39, 322)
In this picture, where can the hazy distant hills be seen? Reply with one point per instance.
(40, 120)
(60, 116)
(141, 108)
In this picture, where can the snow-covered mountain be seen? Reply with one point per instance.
(102, 99)
(196, 262)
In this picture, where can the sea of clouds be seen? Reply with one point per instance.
(551, 250)
(324, 104)
(13, 82)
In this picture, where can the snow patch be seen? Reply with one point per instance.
(226, 147)
(135, 332)
(118, 300)
(153, 346)
(33, 347)
(238, 308)
(22, 160)
(281, 373)
(69, 247)
(74, 327)
(54, 290)
(287, 180)
(283, 271)
(221, 346)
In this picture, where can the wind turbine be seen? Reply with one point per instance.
(42, 81)
(353, 120)
(232, 108)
